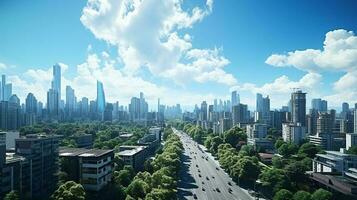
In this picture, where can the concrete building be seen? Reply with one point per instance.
(134, 156)
(83, 140)
(9, 137)
(294, 133)
(334, 161)
(93, 168)
(256, 136)
(298, 107)
(351, 140)
(41, 152)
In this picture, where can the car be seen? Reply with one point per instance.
(212, 176)
(229, 183)
(199, 175)
(199, 171)
(217, 168)
(230, 190)
(218, 190)
(203, 189)
(203, 183)
(207, 178)
(194, 196)
(196, 165)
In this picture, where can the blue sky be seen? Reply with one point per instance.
(226, 47)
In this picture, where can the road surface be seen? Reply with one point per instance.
(202, 178)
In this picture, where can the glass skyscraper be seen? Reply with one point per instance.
(100, 97)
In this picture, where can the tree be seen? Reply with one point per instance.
(302, 195)
(13, 195)
(274, 179)
(246, 169)
(161, 194)
(283, 194)
(278, 143)
(321, 194)
(69, 191)
(137, 189)
(286, 150)
(119, 163)
(123, 177)
(278, 162)
(234, 135)
(352, 150)
(296, 172)
(216, 141)
(247, 150)
(309, 149)
(208, 142)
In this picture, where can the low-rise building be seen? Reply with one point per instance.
(334, 161)
(93, 168)
(83, 140)
(134, 156)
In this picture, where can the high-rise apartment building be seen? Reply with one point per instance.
(40, 177)
(240, 114)
(204, 111)
(5, 89)
(31, 104)
(56, 81)
(52, 103)
(298, 107)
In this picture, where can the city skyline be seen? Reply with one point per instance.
(203, 67)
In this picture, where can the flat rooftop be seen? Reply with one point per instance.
(81, 152)
(130, 152)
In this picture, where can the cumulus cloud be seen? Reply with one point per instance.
(2, 66)
(339, 54)
(149, 34)
(280, 89)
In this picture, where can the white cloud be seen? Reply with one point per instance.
(146, 35)
(2, 66)
(280, 89)
(339, 53)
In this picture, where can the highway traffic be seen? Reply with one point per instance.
(202, 178)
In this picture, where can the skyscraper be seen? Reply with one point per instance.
(203, 114)
(319, 105)
(345, 107)
(70, 101)
(31, 104)
(56, 82)
(100, 97)
(5, 89)
(52, 103)
(298, 107)
(235, 100)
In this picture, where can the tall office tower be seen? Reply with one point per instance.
(108, 112)
(215, 105)
(312, 121)
(144, 108)
(5, 89)
(52, 103)
(324, 123)
(210, 113)
(39, 108)
(93, 110)
(240, 114)
(134, 109)
(40, 175)
(31, 104)
(70, 101)
(14, 113)
(263, 109)
(56, 82)
(355, 121)
(84, 108)
(345, 107)
(235, 98)
(203, 113)
(298, 106)
(100, 97)
(319, 105)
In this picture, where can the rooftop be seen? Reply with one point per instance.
(130, 152)
(68, 152)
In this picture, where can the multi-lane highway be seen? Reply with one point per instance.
(202, 178)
